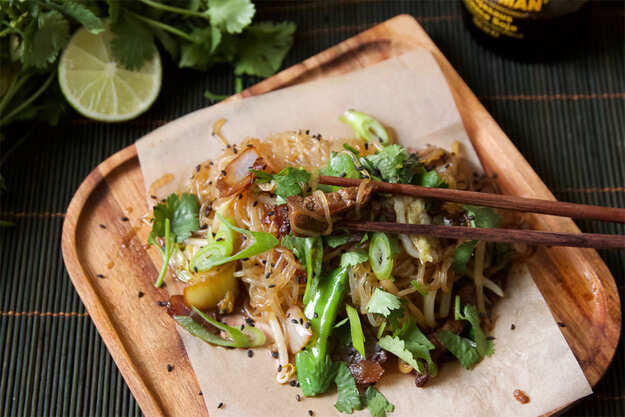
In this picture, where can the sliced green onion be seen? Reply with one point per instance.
(263, 241)
(366, 127)
(381, 255)
(358, 337)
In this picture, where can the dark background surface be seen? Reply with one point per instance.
(567, 117)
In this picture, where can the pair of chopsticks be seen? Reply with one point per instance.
(557, 208)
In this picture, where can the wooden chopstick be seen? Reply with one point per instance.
(558, 208)
(582, 240)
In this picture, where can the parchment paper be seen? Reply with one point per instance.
(409, 94)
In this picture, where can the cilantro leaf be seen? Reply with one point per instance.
(340, 165)
(390, 162)
(431, 179)
(198, 54)
(358, 337)
(262, 48)
(289, 181)
(353, 258)
(461, 347)
(184, 210)
(44, 38)
(482, 344)
(484, 217)
(377, 403)
(82, 15)
(133, 43)
(348, 398)
(319, 372)
(337, 240)
(383, 303)
(417, 344)
(462, 255)
(231, 16)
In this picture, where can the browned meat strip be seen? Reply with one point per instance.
(366, 372)
(307, 213)
(279, 217)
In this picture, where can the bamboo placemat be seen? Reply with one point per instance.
(566, 116)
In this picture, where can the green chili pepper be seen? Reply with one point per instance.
(315, 369)
(366, 127)
(211, 258)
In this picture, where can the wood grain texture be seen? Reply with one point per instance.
(142, 339)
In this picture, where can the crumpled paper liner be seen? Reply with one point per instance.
(409, 94)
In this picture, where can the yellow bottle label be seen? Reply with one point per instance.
(524, 5)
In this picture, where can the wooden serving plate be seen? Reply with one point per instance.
(104, 234)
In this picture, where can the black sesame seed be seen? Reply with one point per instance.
(271, 213)
(125, 219)
(140, 294)
(162, 303)
(512, 326)
(220, 405)
(243, 237)
(240, 196)
(255, 203)
(267, 275)
(197, 168)
(228, 146)
(344, 174)
(234, 149)
(273, 265)
(490, 337)
(316, 315)
(250, 353)
(561, 324)
(272, 285)
(169, 368)
(292, 383)
(275, 355)
(301, 322)
(264, 261)
(307, 131)
(100, 276)
(102, 226)
(211, 163)
(200, 393)
(298, 398)
(249, 321)
(366, 146)
(307, 325)
(294, 321)
(219, 239)
(279, 368)
(153, 197)
(242, 326)
(195, 269)
(249, 145)
(245, 259)
(223, 172)
(310, 412)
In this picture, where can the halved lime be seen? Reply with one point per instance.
(100, 88)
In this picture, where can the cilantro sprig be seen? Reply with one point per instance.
(173, 222)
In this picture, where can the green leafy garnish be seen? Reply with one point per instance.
(231, 16)
(340, 164)
(395, 164)
(290, 181)
(462, 255)
(417, 344)
(482, 344)
(348, 398)
(173, 222)
(358, 337)
(431, 179)
(309, 251)
(461, 347)
(248, 337)
(262, 48)
(377, 403)
(334, 241)
(383, 303)
(354, 257)
(261, 242)
(366, 127)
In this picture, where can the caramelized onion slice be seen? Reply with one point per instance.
(237, 176)
(299, 332)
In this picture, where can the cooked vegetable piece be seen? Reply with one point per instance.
(315, 369)
(368, 128)
(237, 176)
(290, 181)
(297, 329)
(211, 289)
(381, 255)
